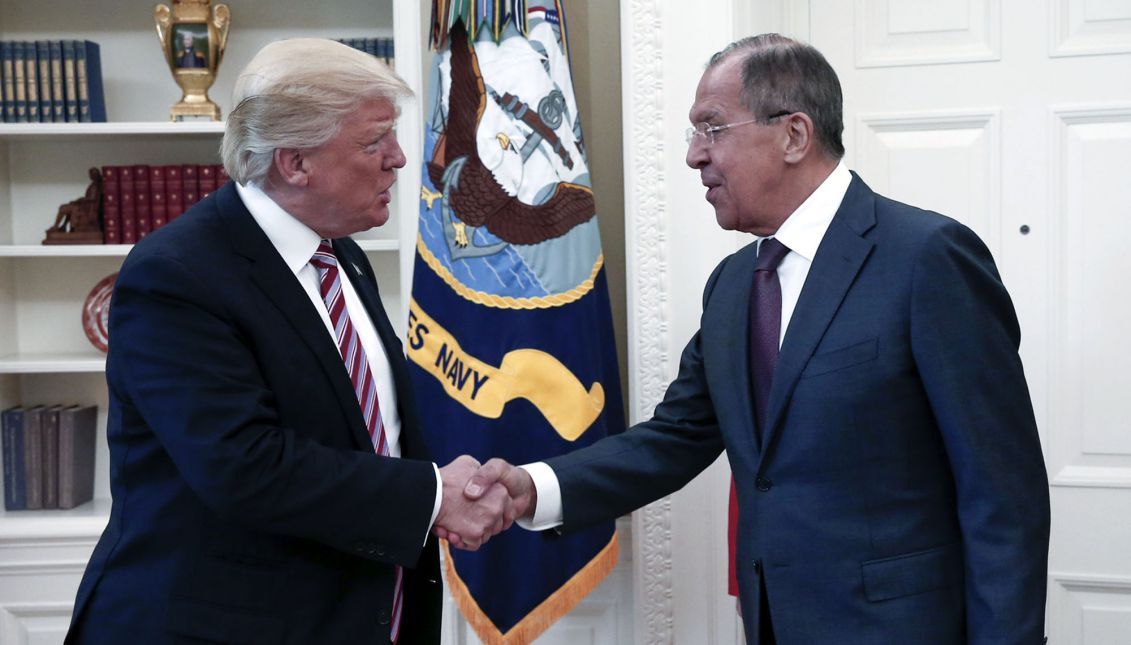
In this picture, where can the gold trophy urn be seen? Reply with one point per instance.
(193, 35)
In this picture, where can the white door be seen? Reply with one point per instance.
(1014, 117)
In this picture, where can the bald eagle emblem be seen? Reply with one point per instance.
(473, 196)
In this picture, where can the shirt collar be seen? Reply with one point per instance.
(803, 230)
(294, 241)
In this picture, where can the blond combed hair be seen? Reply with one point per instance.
(295, 93)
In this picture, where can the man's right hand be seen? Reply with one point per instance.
(482, 501)
(467, 523)
(518, 483)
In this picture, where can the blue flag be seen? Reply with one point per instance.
(510, 333)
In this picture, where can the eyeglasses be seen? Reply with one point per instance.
(710, 132)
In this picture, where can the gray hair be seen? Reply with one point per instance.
(781, 74)
(295, 94)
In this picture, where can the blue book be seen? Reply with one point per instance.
(70, 88)
(387, 50)
(371, 46)
(15, 480)
(58, 98)
(43, 56)
(88, 78)
(3, 78)
(31, 81)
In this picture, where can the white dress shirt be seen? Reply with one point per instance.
(801, 233)
(296, 243)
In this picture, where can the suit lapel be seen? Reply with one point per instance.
(270, 274)
(838, 260)
(732, 292)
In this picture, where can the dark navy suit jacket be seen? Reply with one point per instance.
(248, 504)
(899, 494)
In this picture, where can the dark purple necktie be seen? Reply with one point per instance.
(765, 330)
(765, 326)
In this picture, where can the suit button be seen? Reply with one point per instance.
(359, 547)
(383, 618)
(380, 550)
(763, 483)
(757, 566)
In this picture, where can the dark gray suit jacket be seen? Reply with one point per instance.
(899, 494)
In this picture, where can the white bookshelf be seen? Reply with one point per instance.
(45, 356)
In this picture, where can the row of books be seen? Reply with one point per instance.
(380, 47)
(139, 199)
(51, 81)
(48, 456)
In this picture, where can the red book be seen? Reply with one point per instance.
(157, 207)
(221, 176)
(206, 180)
(111, 205)
(129, 206)
(142, 201)
(192, 189)
(174, 192)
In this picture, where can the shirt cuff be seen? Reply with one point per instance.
(548, 509)
(436, 504)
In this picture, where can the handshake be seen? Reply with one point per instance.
(481, 501)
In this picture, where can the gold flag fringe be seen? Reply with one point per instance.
(560, 603)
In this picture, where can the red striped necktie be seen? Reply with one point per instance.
(353, 354)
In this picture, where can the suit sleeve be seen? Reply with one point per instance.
(965, 337)
(194, 378)
(619, 474)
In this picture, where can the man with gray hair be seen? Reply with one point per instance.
(858, 363)
(269, 478)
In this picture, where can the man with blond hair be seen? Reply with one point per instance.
(269, 478)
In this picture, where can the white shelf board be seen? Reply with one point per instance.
(138, 128)
(84, 521)
(64, 250)
(52, 363)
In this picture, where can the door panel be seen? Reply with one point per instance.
(1014, 117)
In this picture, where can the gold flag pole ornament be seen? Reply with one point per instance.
(193, 35)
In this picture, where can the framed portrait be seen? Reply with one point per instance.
(190, 45)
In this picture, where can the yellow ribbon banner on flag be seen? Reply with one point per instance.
(485, 389)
